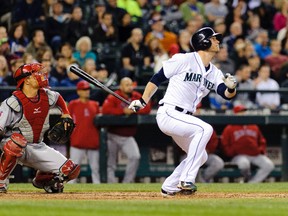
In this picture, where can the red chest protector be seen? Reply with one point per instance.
(34, 112)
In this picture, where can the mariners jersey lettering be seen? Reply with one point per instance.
(187, 74)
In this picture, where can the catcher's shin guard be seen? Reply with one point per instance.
(12, 150)
(70, 170)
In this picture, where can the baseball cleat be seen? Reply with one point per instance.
(3, 188)
(56, 188)
(167, 194)
(187, 188)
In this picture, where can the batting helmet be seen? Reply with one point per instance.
(201, 39)
(27, 70)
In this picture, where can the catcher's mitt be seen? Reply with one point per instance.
(61, 131)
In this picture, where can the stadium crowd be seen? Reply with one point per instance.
(112, 39)
(115, 38)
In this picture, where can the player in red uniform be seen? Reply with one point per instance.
(85, 137)
(24, 119)
(121, 137)
(246, 145)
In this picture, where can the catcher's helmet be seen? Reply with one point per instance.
(201, 39)
(27, 70)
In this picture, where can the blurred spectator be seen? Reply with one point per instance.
(96, 18)
(215, 9)
(214, 163)
(261, 44)
(69, 5)
(44, 53)
(223, 61)
(237, 14)
(135, 56)
(244, 82)
(134, 8)
(125, 28)
(192, 26)
(220, 26)
(28, 58)
(4, 43)
(166, 38)
(6, 13)
(264, 82)
(116, 11)
(59, 69)
(121, 137)
(159, 54)
(18, 39)
(190, 8)
(171, 15)
(56, 26)
(106, 31)
(83, 50)
(77, 27)
(90, 67)
(38, 42)
(238, 54)
(254, 62)
(4, 70)
(184, 42)
(14, 64)
(254, 27)
(84, 140)
(66, 50)
(276, 59)
(71, 81)
(246, 146)
(236, 31)
(30, 12)
(280, 18)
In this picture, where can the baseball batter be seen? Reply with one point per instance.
(24, 118)
(191, 77)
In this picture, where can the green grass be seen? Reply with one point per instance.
(202, 206)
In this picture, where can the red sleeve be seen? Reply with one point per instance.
(213, 143)
(262, 142)
(111, 106)
(62, 104)
(226, 142)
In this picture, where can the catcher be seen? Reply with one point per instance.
(24, 118)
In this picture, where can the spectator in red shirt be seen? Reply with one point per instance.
(85, 137)
(214, 163)
(246, 145)
(121, 137)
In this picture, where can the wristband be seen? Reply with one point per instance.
(231, 90)
(142, 102)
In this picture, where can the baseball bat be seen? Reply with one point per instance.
(81, 73)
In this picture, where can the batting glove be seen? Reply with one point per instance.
(137, 105)
(230, 81)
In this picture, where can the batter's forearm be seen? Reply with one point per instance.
(230, 94)
(149, 91)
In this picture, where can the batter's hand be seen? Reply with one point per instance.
(137, 105)
(230, 81)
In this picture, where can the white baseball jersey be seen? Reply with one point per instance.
(189, 81)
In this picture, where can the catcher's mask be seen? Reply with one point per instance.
(34, 69)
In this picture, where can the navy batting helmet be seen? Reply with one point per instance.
(201, 39)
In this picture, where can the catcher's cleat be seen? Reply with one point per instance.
(56, 188)
(3, 188)
(187, 188)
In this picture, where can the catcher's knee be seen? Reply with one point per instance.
(15, 145)
(70, 170)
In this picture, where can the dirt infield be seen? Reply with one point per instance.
(132, 196)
